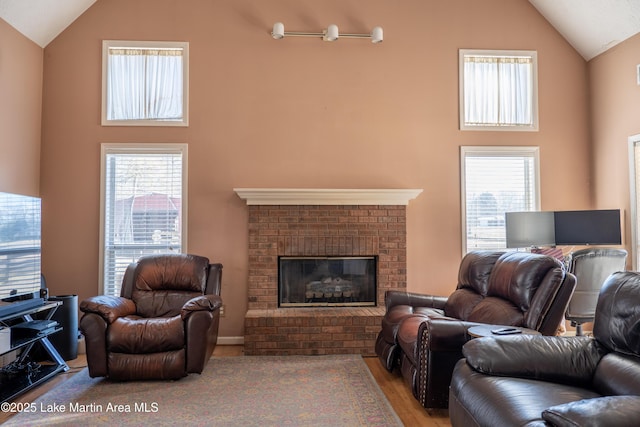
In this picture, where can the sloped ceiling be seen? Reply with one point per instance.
(590, 26)
(42, 20)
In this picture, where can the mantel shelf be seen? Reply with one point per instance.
(326, 196)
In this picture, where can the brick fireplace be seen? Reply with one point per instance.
(295, 222)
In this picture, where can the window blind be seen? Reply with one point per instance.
(635, 143)
(143, 209)
(20, 223)
(496, 182)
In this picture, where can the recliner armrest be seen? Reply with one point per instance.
(620, 411)
(393, 298)
(570, 360)
(108, 307)
(201, 303)
(445, 333)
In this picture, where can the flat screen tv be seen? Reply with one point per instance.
(590, 227)
(20, 225)
(529, 229)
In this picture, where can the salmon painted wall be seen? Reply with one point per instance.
(20, 112)
(615, 107)
(303, 113)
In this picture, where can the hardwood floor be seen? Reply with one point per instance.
(398, 394)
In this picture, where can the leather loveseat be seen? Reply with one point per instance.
(557, 381)
(423, 335)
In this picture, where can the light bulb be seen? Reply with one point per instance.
(332, 33)
(278, 31)
(376, 35)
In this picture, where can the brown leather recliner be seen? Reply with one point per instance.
(423, 334)
(164, 324)
(557, 381)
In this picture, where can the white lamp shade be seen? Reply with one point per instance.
(376, 35)
(332, 33)
(278, 30)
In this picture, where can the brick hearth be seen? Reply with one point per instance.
(319, 230)
(312, 331)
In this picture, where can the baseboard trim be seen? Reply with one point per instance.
(230, 341)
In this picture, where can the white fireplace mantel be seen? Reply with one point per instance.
(326, 196)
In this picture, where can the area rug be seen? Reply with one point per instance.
(232, 391)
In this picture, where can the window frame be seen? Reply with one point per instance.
(499, 151)
(108, 44)
(534, 127)
(634, 175)
(139, 148)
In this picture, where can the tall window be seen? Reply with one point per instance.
(495, 180)
(498, 90)
(145, 83)
(143, 206)
(634, 164)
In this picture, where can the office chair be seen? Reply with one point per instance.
(591, 268)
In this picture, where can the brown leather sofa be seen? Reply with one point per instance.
(164, 324)
(557, 381)
(423, 335)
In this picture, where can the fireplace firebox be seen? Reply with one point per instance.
(327, 281)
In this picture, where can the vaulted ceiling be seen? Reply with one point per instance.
(590, 26)
(42, 20)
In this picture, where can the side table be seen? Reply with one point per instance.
(486, 331)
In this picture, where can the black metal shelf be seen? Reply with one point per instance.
(19, 343)
(12, 385)
(15, 386)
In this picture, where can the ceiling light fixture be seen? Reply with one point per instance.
(330, 34)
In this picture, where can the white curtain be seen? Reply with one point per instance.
(144, 84)
(498, 90)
